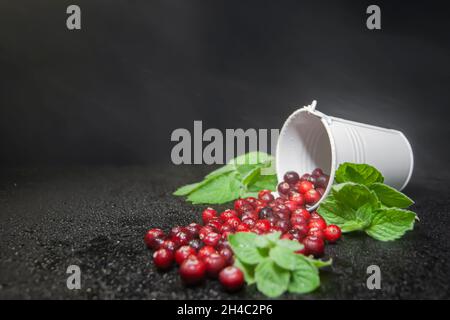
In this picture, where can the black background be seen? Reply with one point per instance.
(86, 118)
(113, 92)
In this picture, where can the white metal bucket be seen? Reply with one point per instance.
(310, 139)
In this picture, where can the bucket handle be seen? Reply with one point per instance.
(312, 109)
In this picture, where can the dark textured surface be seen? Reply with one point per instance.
(96, 217)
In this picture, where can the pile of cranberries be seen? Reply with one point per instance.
(202, 250)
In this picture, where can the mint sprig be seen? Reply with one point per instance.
(361, 202)
(242, 177)
(272, 264)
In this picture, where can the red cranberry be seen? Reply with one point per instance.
(303, 212)
(182, 253)
(196, 244)
(215, 224)
(175, 230)
(263, 225)
(233, 222)
(317, 223)
(297, 219)
(242, 228)
(252, 201)
(231, 278)
(274, 229)
(249, 222)
(291, 205)
(317, 172)
(204, 231)
(205, 251)
(208, 214)
(297, 198)
(283, 225)
(265, 195)
(265, 213)
(312, 179)
(246, 208)
(226, 228)
(181, 238)
(314, 245)
(163, 258)
(283, 187)
(192, 270)
(312, 196)
(322, 181)
(214, 264)
(153, 238)
(315, 215)
(304, 186)
(239, 203)
(316, 232)
(301, 230)
(169, 245)
(212, 239)
(291, 177)
(193, 229)
(223, 243)
(281, 208)
(332, 233)
(227, 253)
(250, 215)
(227, 214)
(305, 177)
(273, 220)
(283, 215)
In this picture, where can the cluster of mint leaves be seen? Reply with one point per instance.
(360, 201)
(272, 264)
(241, 177)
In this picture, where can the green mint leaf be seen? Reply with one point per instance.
(390, 197)
(390, 224)
(268, 182)
(305, 278)
(358, 173)
(364, 214)
(284, 258)
(244, 247)
(241, 177)
(219, 190)
(185, 190)
(267, 240)
(252, 158)
(342, 205)
(334, 212)
(251, 177)
(289, 244)
(271, 280)
(320, 263)
(222, 170)
(354, 195)
(247, 270)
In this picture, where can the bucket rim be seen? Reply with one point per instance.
(325, 121)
